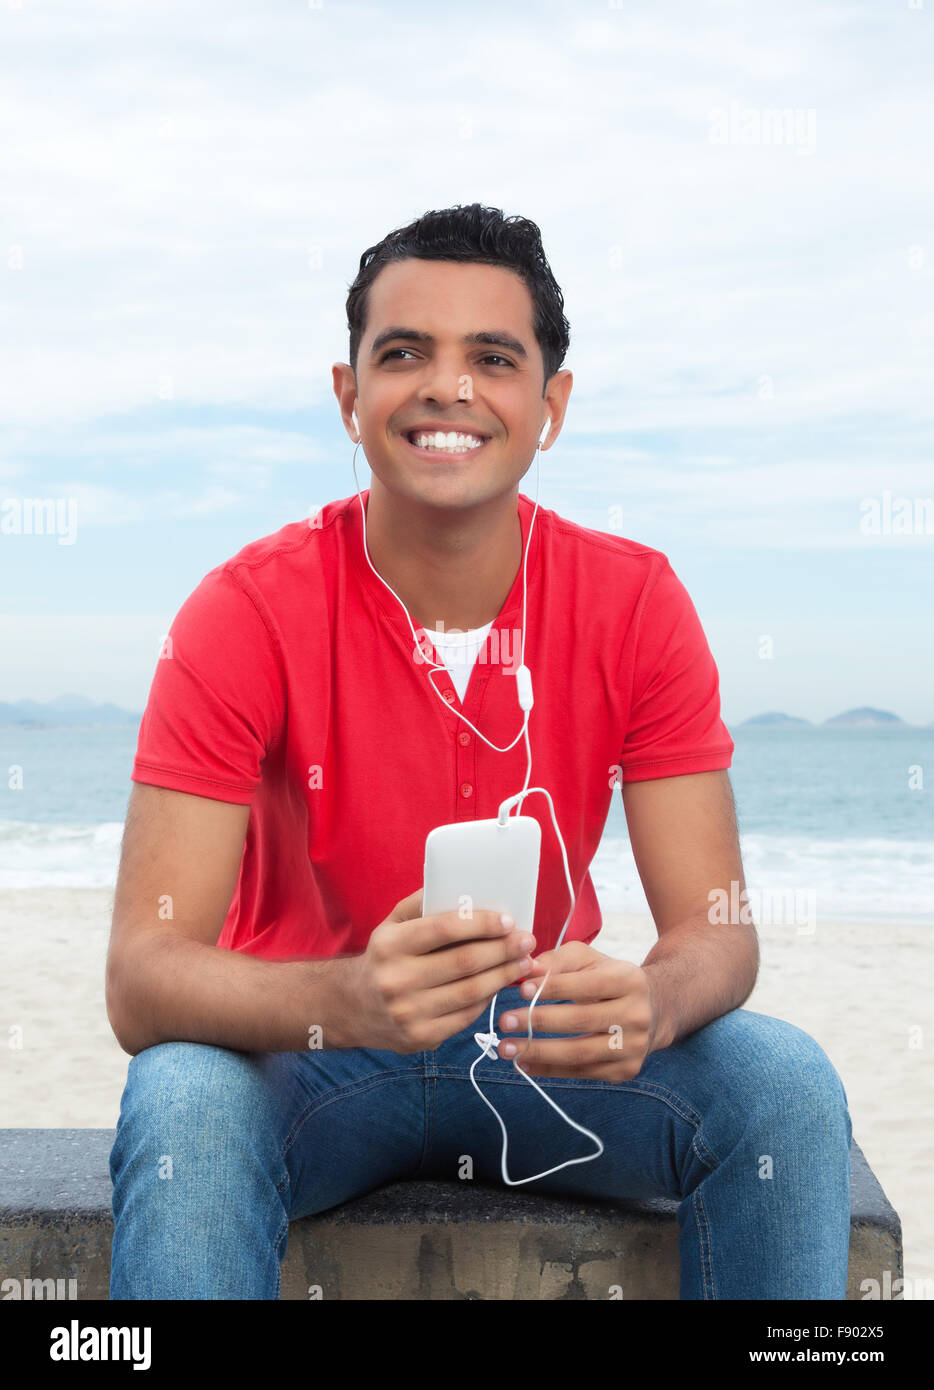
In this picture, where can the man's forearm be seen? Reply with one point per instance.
(170, 988)
(697, 972)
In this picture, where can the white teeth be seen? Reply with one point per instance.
(452, 442)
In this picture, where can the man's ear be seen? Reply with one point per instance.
(557, 392)
(345, 389)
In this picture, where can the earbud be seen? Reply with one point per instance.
(546, 427)
(353, 416)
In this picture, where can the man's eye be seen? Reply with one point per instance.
(490, 356)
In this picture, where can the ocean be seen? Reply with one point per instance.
(835, 818)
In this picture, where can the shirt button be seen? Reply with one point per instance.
(463, 739)
(466, 789)
(449, 696)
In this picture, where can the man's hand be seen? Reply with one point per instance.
(612, 1006)
(423, 979)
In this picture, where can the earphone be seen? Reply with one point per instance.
(488, 1042)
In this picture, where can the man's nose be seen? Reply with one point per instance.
(446, 382)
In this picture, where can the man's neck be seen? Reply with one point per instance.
(455, 569)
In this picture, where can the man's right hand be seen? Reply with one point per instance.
(422, 979)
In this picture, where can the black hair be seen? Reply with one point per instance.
(472, 233)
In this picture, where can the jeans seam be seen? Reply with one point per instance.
(698, 1144)
(429, 1101)
(703, 1235)
(282, 1232)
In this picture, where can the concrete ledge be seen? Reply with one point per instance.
(405, 1240)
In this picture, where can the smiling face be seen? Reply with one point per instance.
(449, 382)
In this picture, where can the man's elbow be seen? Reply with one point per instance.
(118, 1012)
(751, 973)
(115, 1019)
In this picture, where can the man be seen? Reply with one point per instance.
(269, 969)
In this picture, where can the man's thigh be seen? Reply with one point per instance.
(324, 1125)
(662, 1132)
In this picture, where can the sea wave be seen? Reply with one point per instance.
(859, 879)
(76, 855)
(866, 879)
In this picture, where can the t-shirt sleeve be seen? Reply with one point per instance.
(217, 701)
(674, 722)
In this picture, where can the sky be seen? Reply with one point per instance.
(735, 199)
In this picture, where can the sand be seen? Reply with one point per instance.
(861, 989)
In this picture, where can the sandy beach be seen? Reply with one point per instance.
(861, 989)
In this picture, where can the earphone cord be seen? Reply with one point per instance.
(488, 1041)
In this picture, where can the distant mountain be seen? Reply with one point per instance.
(772, 719)
(64, 709)
(72, 701)
(863, 717)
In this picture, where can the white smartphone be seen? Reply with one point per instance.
(480, 865)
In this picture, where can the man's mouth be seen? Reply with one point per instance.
(446, 444)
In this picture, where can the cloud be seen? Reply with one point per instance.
(188, 189)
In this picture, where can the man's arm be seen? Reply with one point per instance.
(166, 978)
(685, 843)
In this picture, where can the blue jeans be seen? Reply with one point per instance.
(744, 1123)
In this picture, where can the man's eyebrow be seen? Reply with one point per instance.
(498, 338)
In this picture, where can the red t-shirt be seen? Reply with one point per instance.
(291, 683)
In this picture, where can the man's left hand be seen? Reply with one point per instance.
(612, 1007)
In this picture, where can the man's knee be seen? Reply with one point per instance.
(767, 1065)
(187, 1097)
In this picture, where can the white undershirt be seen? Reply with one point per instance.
(459, 652)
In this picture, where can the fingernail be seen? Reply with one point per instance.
(526, 942)
(507, 921)
(509, 1049)
(528, 989)
(510, 1021)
